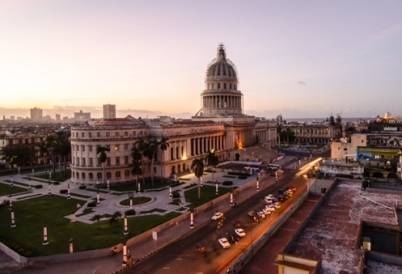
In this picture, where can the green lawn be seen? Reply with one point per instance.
(136, 201)
(5, 189)
(207, 194)
(26, 238)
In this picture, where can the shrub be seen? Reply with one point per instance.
(38, 186)
(130, 212)
(63, 191)
(56, 183)
(176, 195)
(227, 183)
(242, 177)
(82, 187)
(91, 204)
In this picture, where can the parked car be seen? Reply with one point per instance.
(281, 191)
(268, 200)
(217, 216)
(266, 211)
(224, 243)
(240, 232)
(233, 238)
(270, 207)
(251, 214)
(292, 188)
(200, 247)
(261, 214)
(277, 205)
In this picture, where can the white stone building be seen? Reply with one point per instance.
(220, 125)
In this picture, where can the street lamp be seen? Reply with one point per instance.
(216, 187)
(29, 179)
(258, 183)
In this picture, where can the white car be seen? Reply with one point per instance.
(270, 207)
(277, 205)
(266, 211)
(240, 232)
(270, 196)
(261, 214)
(217, 216)
(224, 243)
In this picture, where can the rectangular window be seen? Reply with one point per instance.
(177, 152)
(78, 161)
(126, 160)
(171, 154)
(83, 161)
(125, 133)
(125, 146)
(98, 134)
(117, 134)
(82, 134)
(108, 147)
(82, 148)
(107, 134)
(91, 161)
(90, 148)
(117, 161)
(77, 148)
(108, 162)
(90, 134)
(116, 147)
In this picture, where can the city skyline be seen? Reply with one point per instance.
(301, 60)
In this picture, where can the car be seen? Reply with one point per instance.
(200, 247)
(217, 216)
(281, 191)
(270, 196)
(270, 207)
(277, 205)
(251, 214)
(292, 188)
(261, 214)
(275, 200)
(267, 211)
(233, 238)
(240, 232)
(224, 243)
(268, 200)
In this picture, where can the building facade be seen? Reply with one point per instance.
(219, 125)
(109, 111)
(36, 114)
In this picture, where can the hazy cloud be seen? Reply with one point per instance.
(388, 33)
(301, 83)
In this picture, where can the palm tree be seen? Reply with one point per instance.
(96, 218)
(163, 144)
(136, 163)
(114, 220)
(101, 152)
(51, 146)
(197, 166)
(43, 150)
(212, 160)
(140, 145)
(150, 152)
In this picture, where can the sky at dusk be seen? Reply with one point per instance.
(295, 58)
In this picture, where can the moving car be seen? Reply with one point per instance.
(217, 216)
(224, 243)
(240, 232)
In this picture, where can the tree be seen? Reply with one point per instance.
(212, 160)
(197, 166)
(114, 220)
(101, 152)
(136, 163)
(63, 149)
(140, 145)
(163, 144)
(96, 218)
(20, 155)
(42, 151)
(150, 152)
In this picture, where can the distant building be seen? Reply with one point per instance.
(57, 117)
(36, 114)
(109, 111)
(82, 116)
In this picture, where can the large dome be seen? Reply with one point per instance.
(221, 68)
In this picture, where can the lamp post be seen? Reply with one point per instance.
(231, 199)
(124, 253)
(97, 197)
(29, 179)
(170, 192)
(71, 245)
(68, 191)
(216, 188)
(50, 189)
(131, 196)
(201, 182)
(125, 225)
(139, 187)
(11, 181)
(107, 185)
(12, 219)
(192, 219)
(45, 241)
(258, 183)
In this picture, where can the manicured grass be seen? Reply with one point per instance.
(136, 201)
(5, 189)
(80, 195)
(207, 194)
(30, 196)
(57, 176)
(26, 238)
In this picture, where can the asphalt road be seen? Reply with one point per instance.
(182, 256)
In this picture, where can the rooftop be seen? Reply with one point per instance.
(333, 233)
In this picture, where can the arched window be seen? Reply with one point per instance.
(127, 173)
(99, 175)
(77, 175)
(184, 167)
(91, 176)
(108, 175)
(118, 174)
(83, 176)
(178, 168)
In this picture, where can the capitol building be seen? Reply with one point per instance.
(220, 124)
